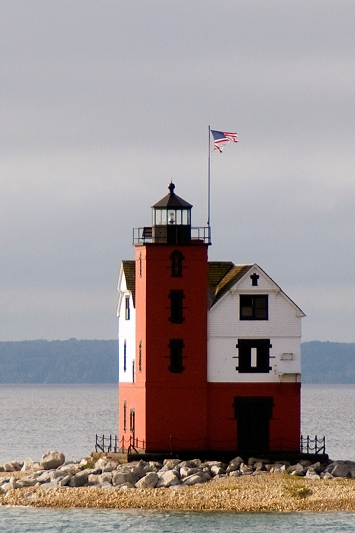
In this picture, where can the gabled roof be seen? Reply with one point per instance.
(231, 275)
(130, 275)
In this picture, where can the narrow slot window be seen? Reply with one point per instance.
(176, 355)
(127, 308)
(176, 264)
(125, 416)
(140, 356)
(176, 306)
(124, 356)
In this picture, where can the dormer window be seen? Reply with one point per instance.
(254, 307)
(176, 264)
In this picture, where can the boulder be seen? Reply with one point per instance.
(194, 479)
(168, 478)
(28, 464)
(51, 460)
(235, 473)
(148, 481)
(186, 471)
(217, 470)
(120, 478)
(79, 480)
(169, 464)
(341, 470)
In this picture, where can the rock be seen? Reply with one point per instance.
(64, 481)
(12, 466)
(8, 467)
(28, 464)
(236, 461)
(279, 469)
(120, 478)
(326, 475)
(235, 473)
(259, 466)
(341, 470)
(293, 468)
(150, 480)
(170, 463)
(52, 460)
(51, 485)
(194, 479)
(45, 477)
(217, 470)
(186, 471)
(245, 469)
(318, 467)
(94, 479)
(168, 478)
(27, 481)
(312, 474)
(2, 468)
(79, 480)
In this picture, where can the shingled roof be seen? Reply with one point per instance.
(222, 275)
(130, 275)
(227, 278)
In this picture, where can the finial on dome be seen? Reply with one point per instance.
(171, 187)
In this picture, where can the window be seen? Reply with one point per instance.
(176, 347)
(176, 264)
(132, 420)
(254, 307)
(133, 371)
(124, 356)
(140, 356)
(125, 416)
(127, 309)
(176, 308)
(253, 356)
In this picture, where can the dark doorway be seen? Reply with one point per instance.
(253, 415)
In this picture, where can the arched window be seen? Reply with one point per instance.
(176, 264)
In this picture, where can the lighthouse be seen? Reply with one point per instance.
(209, 352)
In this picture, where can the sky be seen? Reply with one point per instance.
(104, 103)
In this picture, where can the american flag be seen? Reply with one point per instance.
(223, 137)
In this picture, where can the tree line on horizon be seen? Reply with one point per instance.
(96, 361)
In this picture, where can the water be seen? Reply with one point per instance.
(17, 520)
(36, 418)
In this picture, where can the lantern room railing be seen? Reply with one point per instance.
(144, 235)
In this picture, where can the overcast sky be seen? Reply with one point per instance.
(103, 103)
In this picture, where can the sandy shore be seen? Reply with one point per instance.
(262, 493)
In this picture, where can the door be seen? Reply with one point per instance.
(253, 416)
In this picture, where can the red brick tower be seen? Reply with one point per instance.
(165, 405)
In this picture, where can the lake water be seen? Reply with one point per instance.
(37, 418)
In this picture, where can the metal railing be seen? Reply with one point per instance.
(112, 443)
(316, 445)
(144, 235)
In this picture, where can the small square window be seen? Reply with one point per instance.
(254, 307)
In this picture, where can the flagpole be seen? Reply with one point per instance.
(209, 179)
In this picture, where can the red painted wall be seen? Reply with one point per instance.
(285, 425)
(169, 404)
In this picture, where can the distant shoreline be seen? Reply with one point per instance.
(96, 362)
